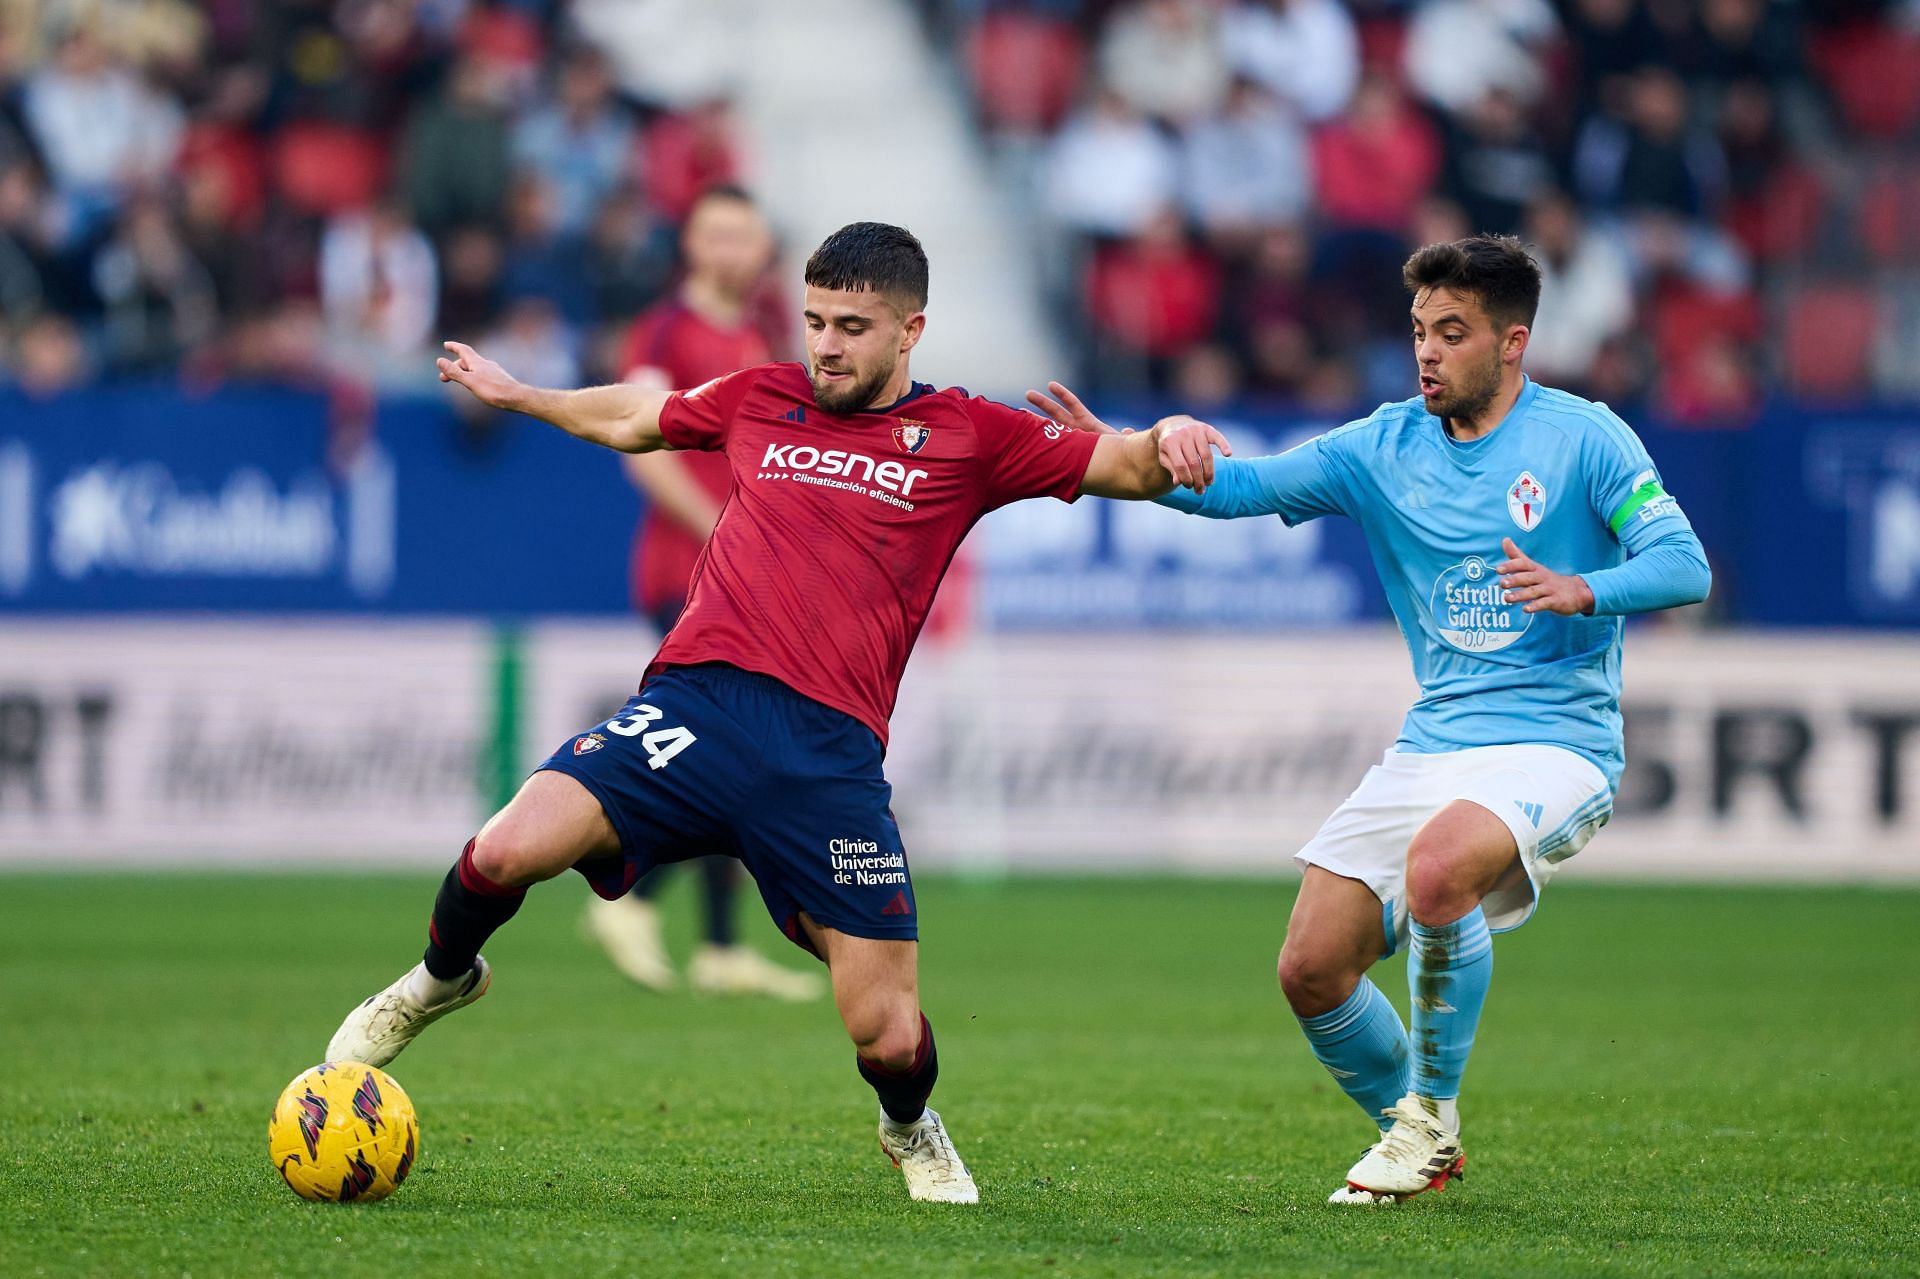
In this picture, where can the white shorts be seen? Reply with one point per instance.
(1550, 798)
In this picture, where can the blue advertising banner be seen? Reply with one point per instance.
(150, 499)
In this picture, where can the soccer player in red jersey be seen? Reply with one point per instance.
(703, 331)
(761, 722)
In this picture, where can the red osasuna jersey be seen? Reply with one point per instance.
(841, 526)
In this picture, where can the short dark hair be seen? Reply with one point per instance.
(1496, 269)
(730, 192)
(872, 255)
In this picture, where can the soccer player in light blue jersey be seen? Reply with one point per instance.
(1513, 527)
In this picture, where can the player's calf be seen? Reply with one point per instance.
(911, 1134)
(470, 906)
(901, 1077)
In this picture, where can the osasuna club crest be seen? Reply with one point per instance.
(1526, 501)
(911, 435)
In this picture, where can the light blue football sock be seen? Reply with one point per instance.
(1449, 969)
(1363, 1045)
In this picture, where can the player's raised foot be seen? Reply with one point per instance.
(628, 929)
(384, 1024)
(740, 970)
(924, 1153)
(1417, 1154)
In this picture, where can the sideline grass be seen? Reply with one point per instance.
(1668, 1081)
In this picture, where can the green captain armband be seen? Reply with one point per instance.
(1648, 501)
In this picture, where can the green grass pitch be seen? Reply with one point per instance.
(1668, 1081)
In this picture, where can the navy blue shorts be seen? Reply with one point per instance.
(714, 759)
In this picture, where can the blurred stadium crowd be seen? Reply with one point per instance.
(1723, 192)
(314, 191)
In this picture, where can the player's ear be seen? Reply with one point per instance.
(910, 330)
(1516, 343)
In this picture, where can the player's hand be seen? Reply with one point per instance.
(489, 383)
(1541, 589)
(1186, 448)
(1069, 412)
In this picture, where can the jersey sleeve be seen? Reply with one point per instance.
(701, 417)
(1624, 487)
(1026, 455)
(1302, 484)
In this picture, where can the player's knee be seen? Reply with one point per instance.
(509, 855)
(1312, 985)
(1435, 891)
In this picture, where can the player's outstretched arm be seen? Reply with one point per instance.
(1669, 571)
(621, 417)
(1137, 465)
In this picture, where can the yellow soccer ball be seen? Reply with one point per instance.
(343, 1131)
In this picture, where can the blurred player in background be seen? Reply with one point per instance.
(761, 724)
(704, 331)
(1507, 764)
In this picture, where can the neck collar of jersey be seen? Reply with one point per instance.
(914, 391)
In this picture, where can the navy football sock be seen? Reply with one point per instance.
(648, 886)
(903, 1093)
(470, 906)
(719, 886)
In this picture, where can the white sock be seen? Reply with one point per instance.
(1445, 1109)
(428, 990)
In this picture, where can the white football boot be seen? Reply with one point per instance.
(925, 1154)
(1363, 1198)
(628, 929)
(741, 970)
(384, 1024)
(1417, 1154)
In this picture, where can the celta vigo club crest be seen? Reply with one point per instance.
(1526, 501)
(911, 435)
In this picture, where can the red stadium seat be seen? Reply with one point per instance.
(1873, 72)
(230, 160)
(685, 153)
(1829, 340)
(324, 168)
(1687, 319)
(1779, 223)
(1026, 70)
(1889, 213)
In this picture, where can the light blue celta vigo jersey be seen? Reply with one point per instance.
(1568, 481)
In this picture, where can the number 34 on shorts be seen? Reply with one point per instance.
(661, 743)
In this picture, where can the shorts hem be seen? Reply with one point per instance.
(866, 931)
(1522, 836)
(596, 788)
(1307, 857)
